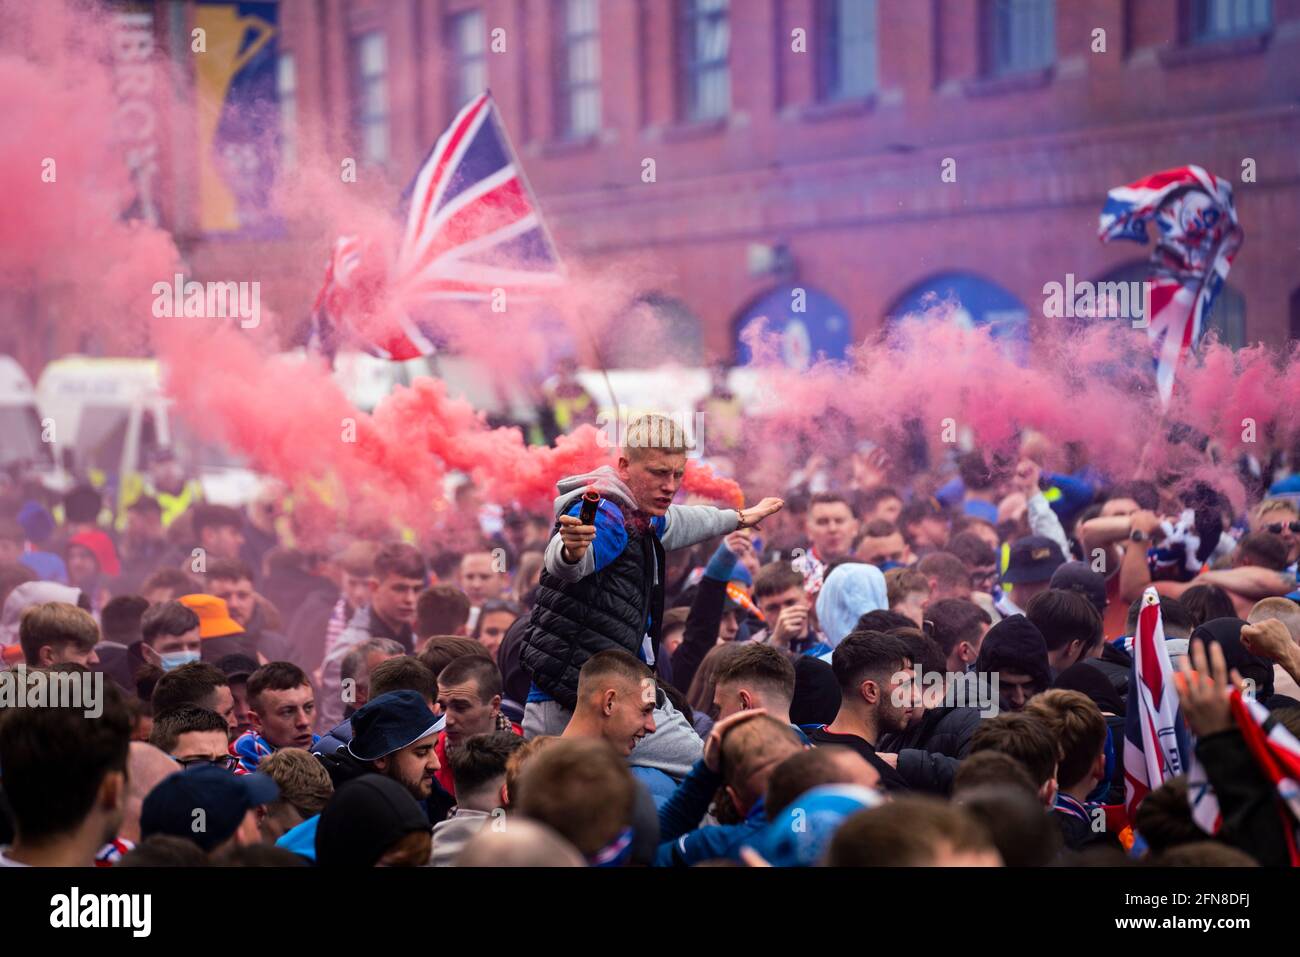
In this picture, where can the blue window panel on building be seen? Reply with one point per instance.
(810, 323)
(978, 302)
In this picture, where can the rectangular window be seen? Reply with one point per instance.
(1211, 20)
(847, 49)
(1021, 35)
(577, 88)
(704, 81)
(468, 44)
(370, 96)
(286, 91)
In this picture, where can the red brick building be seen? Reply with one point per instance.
(802, 143)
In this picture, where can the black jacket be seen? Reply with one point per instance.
(1115, 664)
(930, 752)
(608, 609)
(1248, 802)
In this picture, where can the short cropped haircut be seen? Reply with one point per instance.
(754, 743)
(57, 624)
(924, 652)
(170, 725)
(519, 758)
(869, 499)
(275, 676)
(907, 832)
(868, 654)
(442, 650)
(167, 618)
(480, 669)
(611, 663)
(992, 768)
(882, 619)
(775, 578)
(947, 569)
(481, 759)
(1174, 615)
(400, 559)
(1026, 738)
(759, 665)
(49, 798)
(228, 569)
(1264, 549)
(174, 580)
(354, 662)
(1064, 616)
(358, 559)
(1079, 727)
(1204, 603)
(441, 610)
(1274, 505)
(120, 618)
(405, 673)
(829, 498)
(800, 773)
(878, 528)
(304, 782)
(901, 582)
(1164, 818)
(205, 515)
(164, 850)
(973, 550)
(654, 431)
(193, 683)
(954, 620)
(580, 788)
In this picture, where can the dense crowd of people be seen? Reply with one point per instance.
(866, 668)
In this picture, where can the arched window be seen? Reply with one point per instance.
(810, 323)
(977, 302)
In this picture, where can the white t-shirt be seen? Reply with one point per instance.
(7, 861)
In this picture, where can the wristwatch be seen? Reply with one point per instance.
(1137, 535)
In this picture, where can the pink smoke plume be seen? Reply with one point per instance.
(66, 243)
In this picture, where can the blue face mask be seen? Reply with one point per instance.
(171, 660)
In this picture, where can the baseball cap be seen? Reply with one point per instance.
(223, 796)
(1078, 576)
(214, 616)
(802, 832)
(1032, 559)
(389, 723)
(237, 665)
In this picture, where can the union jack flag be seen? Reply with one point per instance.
(1198, 238)
(472, 228)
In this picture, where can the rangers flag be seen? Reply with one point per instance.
(1198, 238)
(1157, 746)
